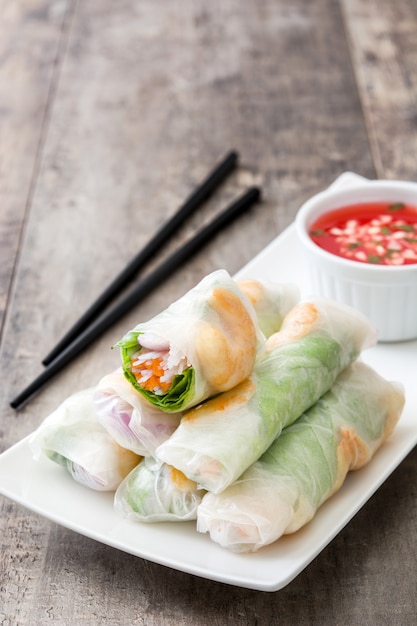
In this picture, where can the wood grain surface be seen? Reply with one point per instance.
(110, 114)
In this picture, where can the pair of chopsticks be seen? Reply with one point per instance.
(94, 322)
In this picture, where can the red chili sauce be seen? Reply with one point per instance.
(382, 233)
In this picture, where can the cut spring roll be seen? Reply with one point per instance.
(308, 463)
(138, 425)
(132, 421)
(202, 344)
(271, 301)
(216, 441)
(72, 437)
(157, 493)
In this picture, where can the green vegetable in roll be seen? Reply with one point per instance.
(154, 492)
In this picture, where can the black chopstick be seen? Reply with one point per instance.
(200, 195)
(139, 291)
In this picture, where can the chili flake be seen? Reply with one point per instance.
(383, 233)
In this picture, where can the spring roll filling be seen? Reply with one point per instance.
(157, 364)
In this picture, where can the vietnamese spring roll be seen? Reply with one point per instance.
(271, 301)
(216, 441)
(129, 418)
(72, 437)
(202, 344)
(141, 427)
(308, 463)
(155, 492)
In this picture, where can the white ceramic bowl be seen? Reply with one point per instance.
(387, 295)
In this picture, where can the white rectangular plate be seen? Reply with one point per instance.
(45, 488)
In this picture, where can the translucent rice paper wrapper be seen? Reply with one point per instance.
(282, 491)
(72, 437)
(132, 421)
(217, 440)
(211, 331)
(155, 492)
(271, 301)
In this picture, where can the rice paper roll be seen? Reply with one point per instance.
(271, 301)
(155, 492)
(216, 441)
(72, 437)
(308, 463)
(202, 344)
(129, 418)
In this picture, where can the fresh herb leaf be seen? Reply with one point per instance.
(354, 245)
(317, 233)
(385, 230)
(373, 258)
(396, 206)
(407, 228)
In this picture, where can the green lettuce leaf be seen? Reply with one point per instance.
(181, 390)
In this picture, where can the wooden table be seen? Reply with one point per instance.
(110, 114)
